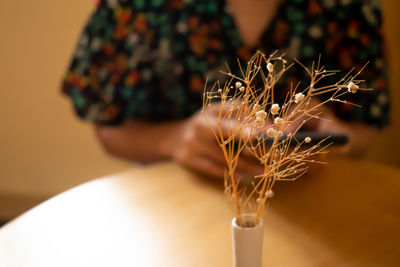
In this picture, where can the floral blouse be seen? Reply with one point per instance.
(149, 59)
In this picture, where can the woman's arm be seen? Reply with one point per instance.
(139, 141)
(189, 142)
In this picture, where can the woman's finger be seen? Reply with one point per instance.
(209, 150)
(250, 166)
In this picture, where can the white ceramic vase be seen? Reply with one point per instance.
(247, 243)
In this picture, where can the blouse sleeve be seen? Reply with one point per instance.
(109, 64)
(354, 38)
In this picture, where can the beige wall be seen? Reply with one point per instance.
(44, 149)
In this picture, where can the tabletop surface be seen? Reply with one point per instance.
(344, 214)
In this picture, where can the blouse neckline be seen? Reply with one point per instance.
(265, 38)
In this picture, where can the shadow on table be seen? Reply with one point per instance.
(205, 180)
(3, 222)
(354, 208)
(351, 207)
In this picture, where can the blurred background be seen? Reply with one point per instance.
(44, 148)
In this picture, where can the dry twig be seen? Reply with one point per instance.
(256, 117)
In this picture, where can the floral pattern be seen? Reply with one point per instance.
(149, 59)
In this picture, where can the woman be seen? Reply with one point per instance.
(140, 67)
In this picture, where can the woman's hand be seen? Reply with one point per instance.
(359, 134)
(195, 146)
(189, 142)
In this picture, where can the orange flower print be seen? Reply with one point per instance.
(140, 23)
(196, 83)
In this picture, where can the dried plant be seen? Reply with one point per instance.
(265, 129)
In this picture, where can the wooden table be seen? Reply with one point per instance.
(347, 214)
